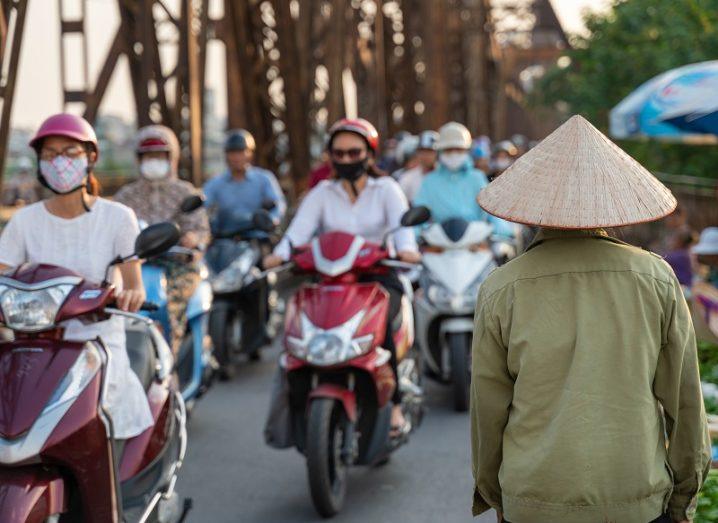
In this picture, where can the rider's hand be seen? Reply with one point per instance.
(271, 260)
(131, 300)
(409, 256)
(189, 240)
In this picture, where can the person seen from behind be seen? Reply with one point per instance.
(586, 400)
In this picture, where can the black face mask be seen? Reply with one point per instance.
(351, 171)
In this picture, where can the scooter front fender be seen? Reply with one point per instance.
(31, 494)
(345, 396)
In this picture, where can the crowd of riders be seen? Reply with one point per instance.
(363, 187)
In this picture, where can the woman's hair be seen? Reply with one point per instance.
(93, 185)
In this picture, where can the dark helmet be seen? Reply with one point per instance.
(358, 126)
(239, 140)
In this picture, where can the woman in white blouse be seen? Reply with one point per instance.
(357, 202)
(80, 231)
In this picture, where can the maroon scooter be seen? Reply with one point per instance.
(58, 460)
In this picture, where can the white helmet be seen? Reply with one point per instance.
(453, 135)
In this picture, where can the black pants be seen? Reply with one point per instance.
(665, 518)
(393, 286)
(255, 307)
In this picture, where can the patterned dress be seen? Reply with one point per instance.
(159, 201)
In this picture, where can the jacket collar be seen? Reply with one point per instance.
(545, 235)
(249, 175)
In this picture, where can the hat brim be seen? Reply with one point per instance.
(548, 225)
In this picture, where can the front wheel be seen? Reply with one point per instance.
(327, 472)
(460, 349)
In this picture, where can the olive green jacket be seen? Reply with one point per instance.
(586, 404)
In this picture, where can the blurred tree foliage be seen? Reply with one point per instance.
(624, 47)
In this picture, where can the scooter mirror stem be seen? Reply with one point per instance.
(117, 261)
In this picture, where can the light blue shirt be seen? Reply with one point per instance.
(452, 194)
(234, 201)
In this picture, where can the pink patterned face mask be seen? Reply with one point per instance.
(64, 174)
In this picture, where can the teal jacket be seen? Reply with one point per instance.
(452, 194)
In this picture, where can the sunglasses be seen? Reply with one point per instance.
(352, 154)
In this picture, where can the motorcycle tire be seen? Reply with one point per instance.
(326, 471)
(460, 349)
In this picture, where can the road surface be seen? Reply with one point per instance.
(233, 477)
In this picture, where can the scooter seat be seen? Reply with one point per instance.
(141, 351)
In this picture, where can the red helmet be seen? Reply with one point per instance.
(158, 138)
(68, 125)
(358, 126)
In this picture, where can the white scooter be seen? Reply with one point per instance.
(457, 258)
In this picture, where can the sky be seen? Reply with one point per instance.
(38, 90)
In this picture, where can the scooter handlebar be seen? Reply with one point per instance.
(149, 306)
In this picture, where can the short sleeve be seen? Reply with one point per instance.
(126, 231)
(13, 249)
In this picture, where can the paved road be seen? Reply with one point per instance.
(233, 477)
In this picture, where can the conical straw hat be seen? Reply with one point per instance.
(576, 178)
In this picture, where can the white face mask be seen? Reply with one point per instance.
(454, 161)
(155, 169)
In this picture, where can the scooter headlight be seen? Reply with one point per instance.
(331, 346)
(32, 310)
(88, 363)
(232, 278)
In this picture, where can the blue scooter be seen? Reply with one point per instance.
(195, 364)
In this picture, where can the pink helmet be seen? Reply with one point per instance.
(68, 125)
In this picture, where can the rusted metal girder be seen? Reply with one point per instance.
(296, 109)
(137, 38)
(13, 12)
(248, 101)
(436, 87)
(336, 59)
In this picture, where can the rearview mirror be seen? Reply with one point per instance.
(263, 221)
(416, 216)
(191, 203)
(156, 239)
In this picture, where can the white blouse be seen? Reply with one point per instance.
(86, 245)
(327, 208)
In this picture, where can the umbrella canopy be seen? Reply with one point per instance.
(679, 105)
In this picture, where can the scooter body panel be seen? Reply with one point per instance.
(450, 280)
(155, 282)
(198, 309)
(31, 371)
(70, 431)
(31, 495)
(142, 449)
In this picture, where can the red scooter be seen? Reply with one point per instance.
(340, 381)
(58, 460)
